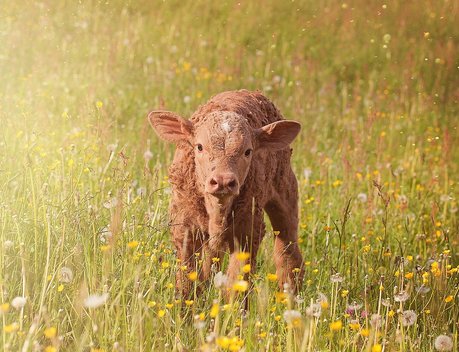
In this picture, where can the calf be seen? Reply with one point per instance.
(232, 161)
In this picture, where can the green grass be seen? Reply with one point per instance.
(376, 88)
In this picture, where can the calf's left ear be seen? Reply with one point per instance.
(170, 126)
(277, 135)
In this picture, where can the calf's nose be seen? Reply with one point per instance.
(223, 183)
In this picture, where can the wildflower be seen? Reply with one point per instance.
(375, 320)
(365, 332)
(199, 322)
(353, 308)
(189, 302)
(376, 348)
(133, 244)
(409, 317)
(402, 296)
(193, 276)
(448, 298)
(95, 300)
(11, 328)
(336, 325)
(322, 300)
(51, 349)
(65, 275)
(271, 277)
(314, 310)
(151, 304)
(99, 104)
(214, 310)
(292, 317)
(18, 302)
(50, 332)
(336, 278)
(240, 286)
(165, 265)
(354, 325)
(161, 313)
(344, 293)
(443, 343)
(147, 155)
(246, 268)
(243, 256)
(8, 244)
(111, 203)
(4, 307)
(362, 197)
(220, 280)
(60, 288)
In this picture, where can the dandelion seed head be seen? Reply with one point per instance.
(95, 300)
(443, 343)
(18, 302)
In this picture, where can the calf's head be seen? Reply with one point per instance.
(224, 146)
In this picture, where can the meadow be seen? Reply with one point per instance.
(86, 261)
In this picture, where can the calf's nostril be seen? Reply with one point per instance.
(232, 184)
(213, 182)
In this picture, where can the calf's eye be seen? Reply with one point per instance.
(199, 147)
(248, 152)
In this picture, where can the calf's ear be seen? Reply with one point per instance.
(277, 135)
(170, 126)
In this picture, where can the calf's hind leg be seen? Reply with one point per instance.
(282, 210)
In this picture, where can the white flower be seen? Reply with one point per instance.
(220, 280)
(18, 302)
(147, 155)
(362, 197)
(111, 203)
(8, 244)
(95, 300)
(375, 320)
(112, 147)
(186, 99)
(105, 235)
(307, 173)
(402, 296)
(314, 310)
(65, 275)
(409, 317)
(336, 278)
(292, 316)
(443, 343)
(198, 323)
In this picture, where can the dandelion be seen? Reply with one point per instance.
(242, 256)
(161, 313)
(354, 324)
(65, 275)
(193, 276)
(375, 320)
(214, 310)
(50, 332)
(246, 268)
(362, 197)
(189, 302)
(402, 296)
(409, 317)
(10, 328)
(147, 155)
(19, 302)
(199, 322)
(4, 307)
(443, 343)
(271, 277)
(95, 300)
(336, 278)
(133, 244)
(448, 298)
(111, 203)
(376, 348)
(336, 325)
(240, 286)
(220, 280)
(292, 317)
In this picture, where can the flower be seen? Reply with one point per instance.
(240, 286)
(402, 296)
(111, 203)
(271, 277)
(220, 280)
(18, 302)
(362, 197)
(50, 332)
(409, 317)
(133, 244)
(336, 278)
(314, 310)
(8, 244)
(147, 155)
(65, 275)
(336, 325)
(449, 298)
(4, 307)
(376, 348)
(95, 300)
(443, 343)
(292, 317)
(193, 276)
(243, 256)
(375, 320)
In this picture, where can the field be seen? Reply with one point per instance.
(86, 261)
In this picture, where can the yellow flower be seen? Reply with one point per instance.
(214, 310)
(448, 299)
(99, 104)
(11, 328)
(133, 244)
(271, 277)
(193, 276)
(215, 260)
(151, 304)
(50, 349)
(336, 325)
(365, 332)
(354, 326)
(189, 302)
(104, 248)
(324, 304)
(240, 286)
(60, 288)
(391, 313)
(246, 268)
(344, 293)
(165, 265)
(4, 307)
(169, 305)
(409, 275)
(281, 297)
(376, 348)
(50, 332)
(161, 313)
(243, 256)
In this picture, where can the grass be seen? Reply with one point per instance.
(83, 178)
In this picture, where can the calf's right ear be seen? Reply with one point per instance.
(170, 126)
